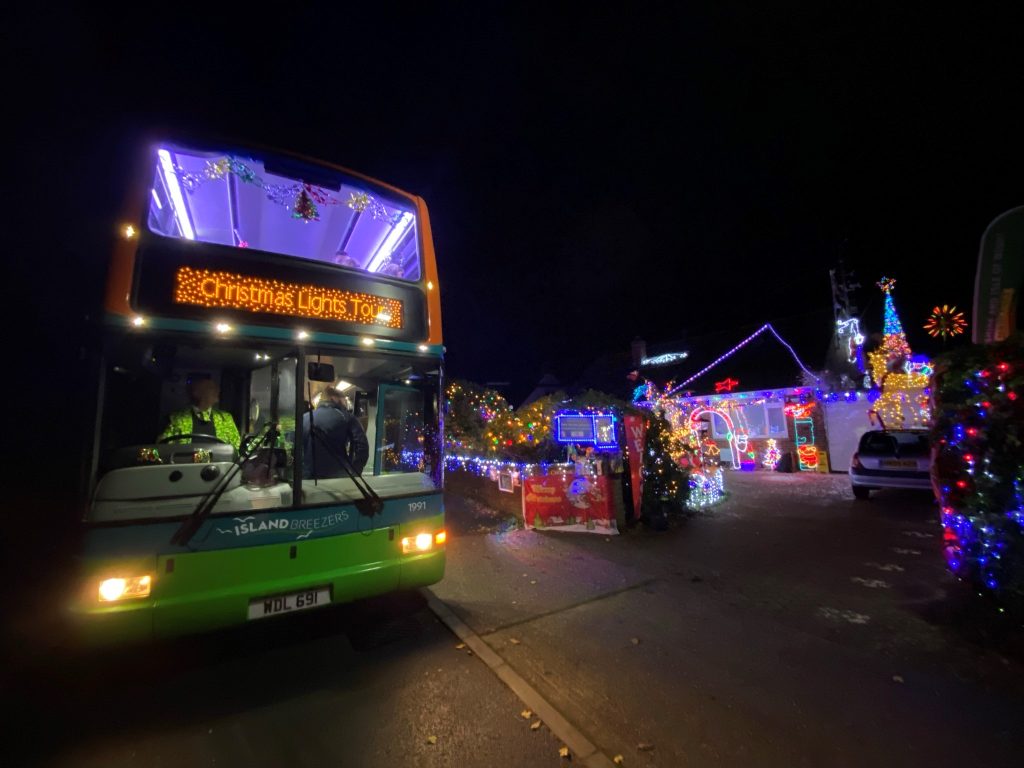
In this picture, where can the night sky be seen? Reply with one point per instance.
(592, 176)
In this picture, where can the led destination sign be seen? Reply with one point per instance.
(211, 288)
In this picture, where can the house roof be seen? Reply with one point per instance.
(736, 360)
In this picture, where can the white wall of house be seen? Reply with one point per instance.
(845, 423)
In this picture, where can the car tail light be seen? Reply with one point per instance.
(855, 461)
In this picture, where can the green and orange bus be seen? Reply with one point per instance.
(275, 276)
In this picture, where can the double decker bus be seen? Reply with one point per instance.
(273, 276)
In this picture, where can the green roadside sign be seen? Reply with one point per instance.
(998, 282)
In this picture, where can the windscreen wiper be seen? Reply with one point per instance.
(371, 504)
(188, 529)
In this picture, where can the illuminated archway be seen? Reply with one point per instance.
(734, 449)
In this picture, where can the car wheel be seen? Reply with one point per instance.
(861, 493)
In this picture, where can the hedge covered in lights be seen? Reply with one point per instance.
(979, 464)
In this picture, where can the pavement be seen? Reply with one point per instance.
(789, 626)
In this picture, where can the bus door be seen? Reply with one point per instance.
(399, 433)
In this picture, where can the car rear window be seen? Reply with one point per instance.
(894, 444)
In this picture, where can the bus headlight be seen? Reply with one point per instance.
(422, 542)
(111, 590)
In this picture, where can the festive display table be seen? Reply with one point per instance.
(566, 500)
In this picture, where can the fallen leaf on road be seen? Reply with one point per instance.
(564, 752)
(527, 714)
(635, 640)
(870, 583)
(431, 739)
(618, 760)
(643, 746)
(897, 678)
(513, 641)
(888, 567)
(460, 646)
(837, 615)
(535, 726)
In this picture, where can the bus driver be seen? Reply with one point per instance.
(201, 418)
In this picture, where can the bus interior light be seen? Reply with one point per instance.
(177, 199)
(391, 241)
(114, 589)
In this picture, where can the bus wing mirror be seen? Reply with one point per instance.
(320, 372)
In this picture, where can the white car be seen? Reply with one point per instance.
(891, 458)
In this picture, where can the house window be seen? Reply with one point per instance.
(776, 421)
(757, 420)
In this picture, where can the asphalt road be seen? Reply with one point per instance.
(353, 686)
(790, 626)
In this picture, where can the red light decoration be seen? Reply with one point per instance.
(799, 410)
(726, 385)
(808, 455)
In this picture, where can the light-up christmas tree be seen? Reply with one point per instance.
(900, 380)
(666, 484)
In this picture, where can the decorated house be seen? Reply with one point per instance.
(752, 404)
(758, 403)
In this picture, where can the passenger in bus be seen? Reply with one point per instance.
(339, 434)
(201, 418)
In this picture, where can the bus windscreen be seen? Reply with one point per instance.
(312, 213)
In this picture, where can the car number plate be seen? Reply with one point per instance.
(900, 463)
(294, 601)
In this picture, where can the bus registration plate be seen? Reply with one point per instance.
(294, 601)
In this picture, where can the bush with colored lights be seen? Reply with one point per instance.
(978, 475)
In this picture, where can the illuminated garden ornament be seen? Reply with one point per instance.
(945, 322)
(894, 340)
(900, 380)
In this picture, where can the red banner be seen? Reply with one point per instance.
(569, 502)
(635, 445)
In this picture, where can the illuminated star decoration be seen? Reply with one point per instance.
(359, 201)
(726, 385)
(945, 322)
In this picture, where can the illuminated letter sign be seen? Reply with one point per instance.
(206, 288)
